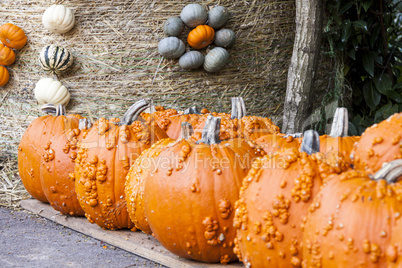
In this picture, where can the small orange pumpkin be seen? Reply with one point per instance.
(201, 36)
(4, 76)
(7, 55)
(12, 36)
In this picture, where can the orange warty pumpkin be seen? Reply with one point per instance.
(379, 143)
(103, 161)
(395, 249)
(352, 220)
(135, 181)
(274, 198)
(58, 161)
(12, 36)
(4, 76)
(201, 36)
(32, 147)
(199, 184)
(7, 55)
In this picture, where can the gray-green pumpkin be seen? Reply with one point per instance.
(191, 60)
(217, 17)
(55, 59)
(171, 47)
(173, 26)
(216, 59)
(193, 15)
(225, 38)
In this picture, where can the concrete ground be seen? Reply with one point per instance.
(28, 240)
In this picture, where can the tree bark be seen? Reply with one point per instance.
(303, 66)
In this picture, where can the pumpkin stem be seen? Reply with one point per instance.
(238, 108)
(192, 110)
(340, 124)
(311, 142)
(134, 112)
(186, 130)
(50, 108)
(210, 133)
(84, 124)
(391, 172)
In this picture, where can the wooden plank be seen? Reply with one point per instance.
(137, 243)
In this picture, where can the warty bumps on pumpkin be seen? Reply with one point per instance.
(199, 184)
(103, 161)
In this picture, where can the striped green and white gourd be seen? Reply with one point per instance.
(55, 59)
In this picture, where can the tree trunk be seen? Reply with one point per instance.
(303, 66)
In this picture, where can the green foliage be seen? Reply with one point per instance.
(367, 36)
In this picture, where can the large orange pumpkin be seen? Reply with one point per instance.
(379, 143)
(352, 220)
(7, 55)
(103, 161)
(58, 161)
(4, 76)
(32, 147)
(134, 186)
(12, 36)
(201, 36)
(199, 184)
(274, 199)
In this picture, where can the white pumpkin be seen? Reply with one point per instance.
(58, 19)
(48, 90)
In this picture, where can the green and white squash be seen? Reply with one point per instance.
(216, 59)
(171, 47)
(55, 59)
(173, 26)
(217, 17)
(225, 38)
(193, 15)
(191, 60)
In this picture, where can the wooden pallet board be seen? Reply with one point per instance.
(137, 243)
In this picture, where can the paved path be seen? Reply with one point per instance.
(28, 240)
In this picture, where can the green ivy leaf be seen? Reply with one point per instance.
(368, 63)
(367, 5)
(352, 54)
(345, 7)
(371, 95)
(383, 84)
(346, 31)
(395, 95)
(360, 24)
(390, 110)
(352, 130)
(398, 85)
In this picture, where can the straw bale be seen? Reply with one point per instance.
(116, 62)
